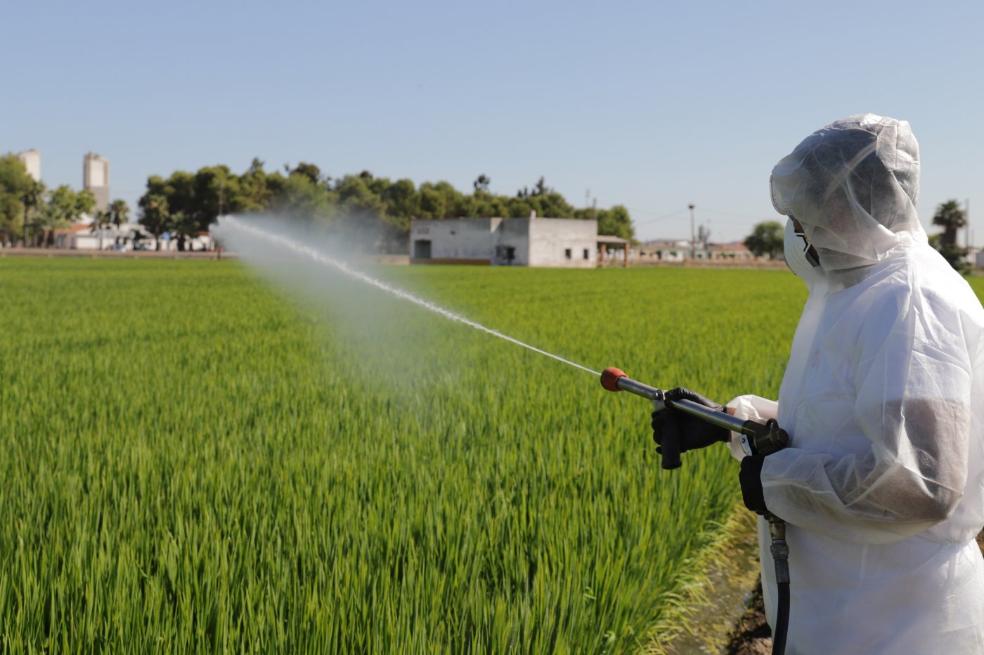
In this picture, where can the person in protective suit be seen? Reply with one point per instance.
(882, 485)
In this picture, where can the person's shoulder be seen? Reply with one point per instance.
(942, 289)
(913, 294)
(945, 310)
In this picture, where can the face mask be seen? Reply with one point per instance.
(794, 249)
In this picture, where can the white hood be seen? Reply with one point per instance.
(853, 185)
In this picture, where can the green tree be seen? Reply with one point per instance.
(616, 221)
(63, 207)
(518, 207)
(482, 183)
(215, 192)
(487, 205)
(33, 201)
(951, 218)
(194, 201)
(357, 198)
(766, 239)
(116, 214)
(185, 226)
(154, 213)
(119, 212)
(401, 203)
(438, 200)
(300, 198)
(543, 200)
(256, 187)
(85, 203)
(310, 171)
(20, 195)
(101, 219)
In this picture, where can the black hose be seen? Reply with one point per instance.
(780, 556)
(782, 620)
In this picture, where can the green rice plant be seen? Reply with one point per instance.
(193, 461)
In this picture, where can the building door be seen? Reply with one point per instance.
(422, 249)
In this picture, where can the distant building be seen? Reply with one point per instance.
(561, 242)
(125, 238)
(735, 251)
(95, 179)
(678, 251)
(663, 250)
(32, 162)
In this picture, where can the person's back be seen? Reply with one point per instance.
(859, 584)
(882, 484)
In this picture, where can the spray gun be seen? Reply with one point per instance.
(756, 439)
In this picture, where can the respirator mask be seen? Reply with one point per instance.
(801, 258)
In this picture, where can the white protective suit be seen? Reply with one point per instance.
(882, 486)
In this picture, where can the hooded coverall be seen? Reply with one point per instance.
(882, 486)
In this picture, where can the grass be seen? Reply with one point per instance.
(193, 462)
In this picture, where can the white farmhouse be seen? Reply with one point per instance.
(562, 242)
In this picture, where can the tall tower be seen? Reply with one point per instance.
(32, 162)
(95, 179)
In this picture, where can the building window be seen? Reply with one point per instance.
(586, 254)
(567, 253)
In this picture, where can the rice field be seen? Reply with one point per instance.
(193, 461)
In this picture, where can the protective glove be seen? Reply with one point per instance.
(750, 477)
(694, 433)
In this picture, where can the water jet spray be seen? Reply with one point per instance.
(755, 438)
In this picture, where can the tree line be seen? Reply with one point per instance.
(30, 212)
(184, 204)
(362, 204)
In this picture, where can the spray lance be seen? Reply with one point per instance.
(756, 439)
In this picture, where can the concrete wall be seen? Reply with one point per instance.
(551, 239)
(465, 240)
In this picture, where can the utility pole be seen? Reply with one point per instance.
(967, 223)
(693, 235)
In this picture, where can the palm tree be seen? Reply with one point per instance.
(100, 219)
(119, 213)
(951, 218)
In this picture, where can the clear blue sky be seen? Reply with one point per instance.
(647, 104)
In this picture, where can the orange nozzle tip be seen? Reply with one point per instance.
(610, 376)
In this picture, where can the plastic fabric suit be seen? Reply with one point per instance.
(882, 487)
